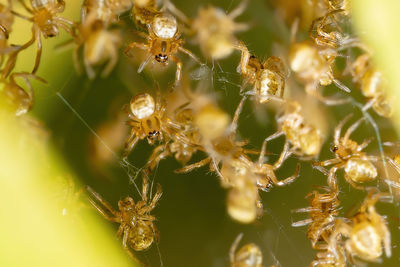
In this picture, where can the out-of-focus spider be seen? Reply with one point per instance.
(367, 232)
(144, 11)
(357, 165)
(20, 98)
(46, 22)
(105, 10)
(146, 117)
(372, 84)
(323, 210)
(220, 143)
(163, 42)
(305, 139)
(99, 45)
(243, 201)
(313, 67)
(136, 224)
(218, 138)
(215, 30)
(248, 256)
(267, 78)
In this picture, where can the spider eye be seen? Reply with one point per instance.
(334, 148)
(161, 58)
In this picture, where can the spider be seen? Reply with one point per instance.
(367, 232)
(305, 139)
(266, 172)
(267, 78)
(19, 97)
(372, 84)
(215, 30)
(323, 210)
(99, 44)
(183, 144)
(136, 224)
(219, 142)
(243, 201)
(345, 5)
(6, 22)
(163, 42)
(313, 67)
(146, 117)
(218, 138)
(248, 256)
(144, 11)
(357, 165)
(325, 35)
(107, 11)
(46, 22)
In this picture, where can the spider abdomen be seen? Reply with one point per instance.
(360, 170)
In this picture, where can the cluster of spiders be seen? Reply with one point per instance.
(195, 123)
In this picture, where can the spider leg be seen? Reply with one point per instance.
(190, 54)
(234, 247)
(352, 128)
(234, 123)
(288, 180)
(302, 223)
(112, 52)
(104, 203)
(178, 75)
(238, 10)
(135, 45)
(38, 52)
(155, 199)
(189, 168)
(130, 144)
(25, 6)
(145, 188)
(159, 153)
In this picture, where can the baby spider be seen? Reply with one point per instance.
(367, 232)
(144, 11)
(215, 30)
(345, 5)
(305, 139)
(267, 78)
(323, 210)
(248, 256)
(243, 201)
(220, 144)
(6, 22)
(19, 97)
(163, 42)
(372, 84)
(265, 172)
(136, 224)
(46, 22)
(146, 117)
(107, 11)
(183, 144)
(99, 45)
(357, 165)
(326, 32)
(313, 67)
